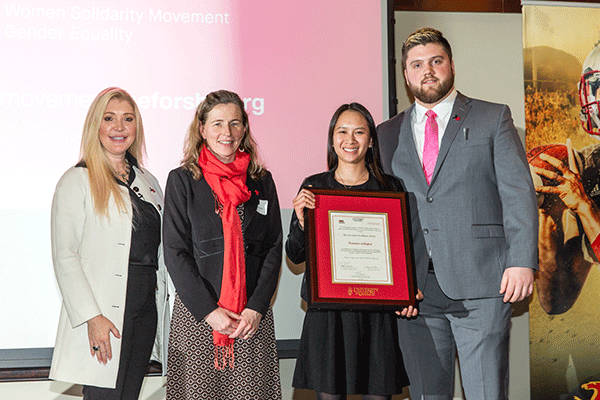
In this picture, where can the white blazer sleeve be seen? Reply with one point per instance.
(68, 217)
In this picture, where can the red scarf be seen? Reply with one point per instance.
(228, 182)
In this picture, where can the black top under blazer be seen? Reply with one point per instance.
(194, 244)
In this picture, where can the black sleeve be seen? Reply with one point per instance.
(179, 249)
(294, 245)
(272, 245)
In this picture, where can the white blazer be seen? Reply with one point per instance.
(91, 256)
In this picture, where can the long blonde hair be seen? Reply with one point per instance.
(194, 140)
(103, 184)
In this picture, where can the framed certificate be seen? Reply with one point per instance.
(359, 253)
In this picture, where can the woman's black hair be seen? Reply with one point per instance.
(372, 159)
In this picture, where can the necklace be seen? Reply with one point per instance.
(124, 176)
(342, 181)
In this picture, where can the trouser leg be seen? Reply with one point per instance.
(481, 334)
(428, 347)
(138, 333)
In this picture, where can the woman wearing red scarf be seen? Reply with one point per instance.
(223, 246)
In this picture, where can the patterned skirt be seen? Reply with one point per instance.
(191, 373)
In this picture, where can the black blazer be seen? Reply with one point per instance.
(194, 247)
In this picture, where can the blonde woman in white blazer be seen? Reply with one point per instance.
(105, 226)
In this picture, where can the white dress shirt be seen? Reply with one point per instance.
(418, 119)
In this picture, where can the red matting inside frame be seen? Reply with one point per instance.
(400, 292)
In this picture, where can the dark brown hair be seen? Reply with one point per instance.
(424, 36)
(372, 158)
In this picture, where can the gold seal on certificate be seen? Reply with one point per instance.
(359, 253)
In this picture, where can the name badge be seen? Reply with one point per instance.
(262, 207)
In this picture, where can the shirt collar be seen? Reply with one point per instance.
(442, 109)
(132, 160)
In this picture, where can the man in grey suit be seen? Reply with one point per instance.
(467, 174)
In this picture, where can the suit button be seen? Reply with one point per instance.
(430, 199)
(425, 231)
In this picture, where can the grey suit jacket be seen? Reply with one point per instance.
(479, 214)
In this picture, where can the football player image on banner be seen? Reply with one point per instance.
(562, 78)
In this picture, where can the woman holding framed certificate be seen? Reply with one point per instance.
(345, 352)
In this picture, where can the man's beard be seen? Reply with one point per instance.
(433, 95)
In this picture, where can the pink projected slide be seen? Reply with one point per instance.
(293, 63)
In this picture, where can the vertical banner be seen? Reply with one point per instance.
(562, 76)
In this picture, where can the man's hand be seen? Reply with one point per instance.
(517, 284)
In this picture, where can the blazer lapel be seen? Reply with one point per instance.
(459, 112)
(251, 205)
(144, 189)
(207, 202)
(409, 148)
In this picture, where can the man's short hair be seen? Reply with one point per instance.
(424, 36)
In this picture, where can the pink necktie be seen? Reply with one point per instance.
(431, 145)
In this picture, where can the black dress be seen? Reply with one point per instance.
(346, 352)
